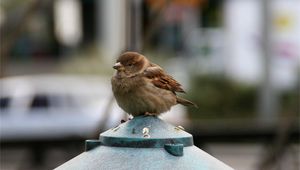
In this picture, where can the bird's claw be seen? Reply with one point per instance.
(123, 120)
(150, 114)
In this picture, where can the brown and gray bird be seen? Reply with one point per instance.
(143, 88)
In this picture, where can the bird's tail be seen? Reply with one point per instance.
(185, 102)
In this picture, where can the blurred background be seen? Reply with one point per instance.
(239, 60)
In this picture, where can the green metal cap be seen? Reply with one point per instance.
(145, 132)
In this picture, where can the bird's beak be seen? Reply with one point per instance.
(118, 66)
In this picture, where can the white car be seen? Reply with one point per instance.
(52, 107)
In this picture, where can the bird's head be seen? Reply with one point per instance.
(130, 63)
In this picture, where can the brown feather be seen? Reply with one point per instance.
(185, 102)
(161, 79)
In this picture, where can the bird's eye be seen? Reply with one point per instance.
(130, 64)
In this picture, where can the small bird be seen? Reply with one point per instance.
(143, 88)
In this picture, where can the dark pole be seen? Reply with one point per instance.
(268, 101)
(134, 25)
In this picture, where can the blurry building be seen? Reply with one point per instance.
(224, 36)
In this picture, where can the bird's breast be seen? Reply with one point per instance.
(126, 85)
(140, 95)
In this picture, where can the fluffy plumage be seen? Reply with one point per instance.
(141, 87)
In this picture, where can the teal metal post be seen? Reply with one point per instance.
(145, 142)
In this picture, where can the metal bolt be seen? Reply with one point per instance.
(179, 128)
(146, 131)
(116, 128)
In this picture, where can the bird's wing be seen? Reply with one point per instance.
(162, 80)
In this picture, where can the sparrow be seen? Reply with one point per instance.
(144, 88)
